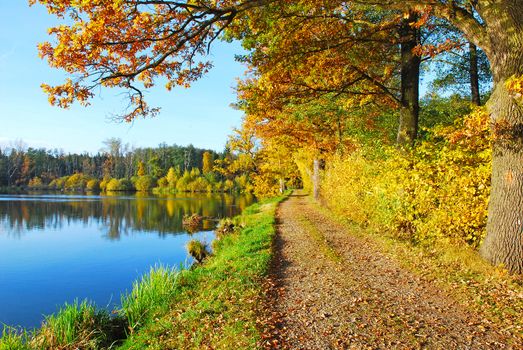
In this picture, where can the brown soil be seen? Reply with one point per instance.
(332, 290)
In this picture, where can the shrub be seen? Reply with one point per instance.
(144, 183)
(103, 184)
(198, 250)
(119, 185)
(93, 185)
(126, 185)
(198, 185)
(36, 182)
(58, 184)
(437, 191)
(163, 182)
(218, 186)
(76, 181)
(113, 185)
(182, 185)
(78, 326)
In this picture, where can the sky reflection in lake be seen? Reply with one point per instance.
(54, 249)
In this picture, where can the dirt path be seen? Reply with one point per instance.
(333, 290)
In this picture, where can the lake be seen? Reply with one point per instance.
(58, 248)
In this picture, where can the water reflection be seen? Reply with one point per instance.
(115, 215)
(58, 248)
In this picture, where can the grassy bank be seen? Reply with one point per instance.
(210, 306)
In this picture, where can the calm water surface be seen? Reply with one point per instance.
(58, 248)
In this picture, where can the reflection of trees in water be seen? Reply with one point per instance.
(117, 215)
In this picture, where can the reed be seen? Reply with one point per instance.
(150, 295)
(80, 325)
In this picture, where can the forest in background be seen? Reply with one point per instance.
(120, 167)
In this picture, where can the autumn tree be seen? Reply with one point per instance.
(207, 162)
(172, 176)
(15, 162)
(26, 171)
(240, 155)
(276, 168)
(497, 28)
(141, 169)
(305, 52)
(463, 68)
(129, 44)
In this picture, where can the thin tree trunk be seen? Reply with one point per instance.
(410, 72)
(316, 178)
(474, 76)
(282, 185)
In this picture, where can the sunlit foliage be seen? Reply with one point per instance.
(436, 192)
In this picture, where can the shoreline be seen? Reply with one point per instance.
(214, 302)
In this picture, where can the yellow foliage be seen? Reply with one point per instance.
(276, 169)
(303, 159)
(35, 182)
(76, 181)
(437, 191)
(515, 86)
(207, 162)
(93, 185)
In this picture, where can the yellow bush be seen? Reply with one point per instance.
(437, 191)
(198, 185)
(93, 185)
(35, 182)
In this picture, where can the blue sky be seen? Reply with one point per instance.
(200, 115)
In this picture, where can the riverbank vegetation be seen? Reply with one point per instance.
(212, 305)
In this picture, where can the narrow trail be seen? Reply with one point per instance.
(333, 290)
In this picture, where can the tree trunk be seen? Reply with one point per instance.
(410, 71)
(316, 178)
(474, 76)
(282, 184)
(504, 241)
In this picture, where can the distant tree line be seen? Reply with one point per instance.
(43, 168)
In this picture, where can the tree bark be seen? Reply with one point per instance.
(316, 178)
(410, 72)
(504, 241)
(474, 75)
